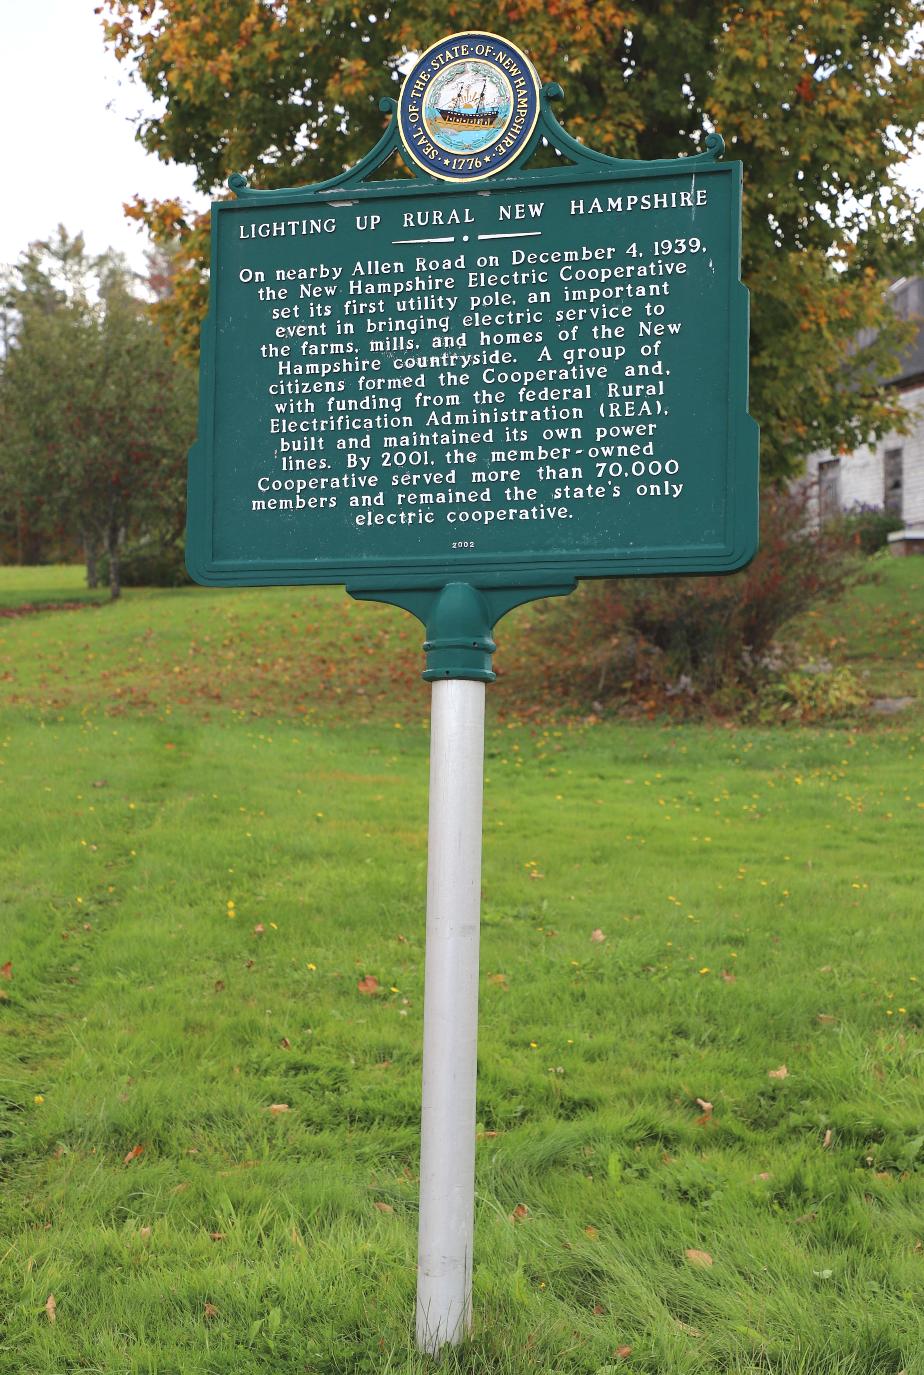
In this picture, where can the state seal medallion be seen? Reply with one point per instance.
(468, 107)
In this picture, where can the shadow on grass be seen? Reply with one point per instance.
(53, 587)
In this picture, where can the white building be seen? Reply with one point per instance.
(888, 474)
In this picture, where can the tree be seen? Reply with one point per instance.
(820, 101)
(97, 413)
(48, 274)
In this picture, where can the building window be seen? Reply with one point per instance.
(892, 481)
(829, 488)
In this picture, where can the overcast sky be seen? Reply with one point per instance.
(69, 153)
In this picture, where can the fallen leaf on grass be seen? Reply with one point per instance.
(705, 1105)
(277, 1108)
(144, 1232)
(598, 1310)
(51, 1308)
(368, 985)
(100, 783)
(519, 1213)
(259, 929)
(133, 1154)
(728, 977)
(623, 1352)
(219, 985)
(209, 1311)
(286, 1043)
(685, 1327)
(597, 935)
(781, 1073)
(591, 1232)
(827, 1140)
(217, 1236)
(6, 970)
(383, 1207)
(826, 1019)
(500, 980)
(701, 1258)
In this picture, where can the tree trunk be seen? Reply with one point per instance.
(30, 543)
(90, 553)
(114, 551)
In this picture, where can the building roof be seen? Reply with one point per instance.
(908, 302)
(907, 299)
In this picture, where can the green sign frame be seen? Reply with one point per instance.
(470, 588)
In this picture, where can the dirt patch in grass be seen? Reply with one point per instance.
(9, 613)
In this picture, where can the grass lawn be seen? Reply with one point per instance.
(214, 828)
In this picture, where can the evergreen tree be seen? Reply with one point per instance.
(96, 411)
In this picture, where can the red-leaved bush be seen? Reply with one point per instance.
(706, 642)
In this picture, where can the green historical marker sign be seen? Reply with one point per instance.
(458, 393)
(513, 383)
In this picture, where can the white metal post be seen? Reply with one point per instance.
(450, 1035)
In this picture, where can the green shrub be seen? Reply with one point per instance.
(149, 564)
(868, 527)
(810, 695)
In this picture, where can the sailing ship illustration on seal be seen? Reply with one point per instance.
(468, 105)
